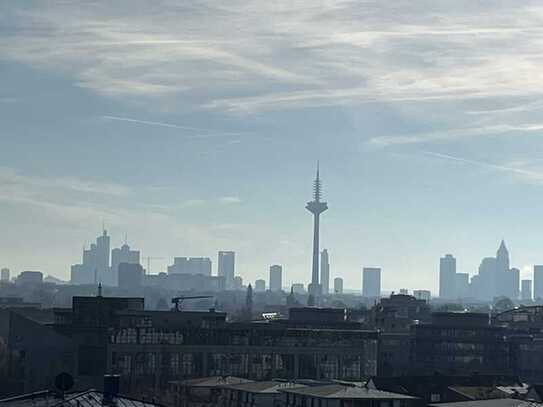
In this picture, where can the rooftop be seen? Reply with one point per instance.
(338, 391)
(265, 387)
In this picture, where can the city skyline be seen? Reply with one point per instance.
(428, 133)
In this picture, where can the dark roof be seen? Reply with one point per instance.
(213, 381)
(338, 391)
(479, 392)
(88, 398)
(490, 403)
(264, 387)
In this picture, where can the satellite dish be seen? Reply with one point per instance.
(64, 382)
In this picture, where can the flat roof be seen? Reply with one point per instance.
(271, 386)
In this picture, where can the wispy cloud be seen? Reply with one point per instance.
(525, 174)
(229, 200)
(453, 134)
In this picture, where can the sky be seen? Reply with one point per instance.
(195, 126)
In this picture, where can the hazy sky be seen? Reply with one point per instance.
(194, 126)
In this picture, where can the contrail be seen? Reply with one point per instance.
(173, 126)
(519, 171)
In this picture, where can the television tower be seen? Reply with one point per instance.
(316, 207)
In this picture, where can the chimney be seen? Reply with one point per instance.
(111, 389)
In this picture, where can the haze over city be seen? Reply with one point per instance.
(196, 127)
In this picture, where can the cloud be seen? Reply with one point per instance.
(453, 134)
(229, 200)
(250, 57)
(526, 175)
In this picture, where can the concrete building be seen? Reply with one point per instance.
(122, 255)
(260, 285)
(371, 282)
(95, 265)
(5, 275)
(29, 278)
(238, 283)
(425, 295)
(538, 282)
(462, 285)
(191, 265)
(447, 277)
(526, 290)
(338, 285)
(298, 288)
(130, 276)
(325, 272)
(227, 267)
(276, 278)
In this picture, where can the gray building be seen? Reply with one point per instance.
(338, 285)
(276, 278)
(122, 255)
(447, 277)
(371, 282)
(191, 265)
(298, 288)
(260, 285)
(130, 276)
(425, 295)
(325, 272)
(227, 268)
(95, 265)
(538, 281)
(29, 278)
(238, 283)
(526, 290)
(462, 285)
(4, 275)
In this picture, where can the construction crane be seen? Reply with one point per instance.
(178, 301)
(149, 258)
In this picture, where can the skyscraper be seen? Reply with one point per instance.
(260, 285)
(538, 282)
(4, 275)
(227, 266)
(191, 265)
(371, 282)
(130, 276)
(526, 290)
(462, 285)
(316, 207)
(447, 277)
(325, 272)
(502, 276)
(95, 265)
(276, 278)
(122, 255)
(338, 285)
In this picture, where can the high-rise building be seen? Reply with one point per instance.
(371, 282)
(502, 276)
(29, 278)
(122, 255)
(95, 266)
(298, 288)
(316, 207)
(338, 285)
(130, 276)
(191, 265)
(238, 283)
(404, 291)
(538, 282)
(447, 277)
(513, 284)
(422, 295)
(484, 287)
(276, 277)
(462, 285)
(526, 290)
(325, 272)
(260, 285)
(227, 268)
(4, 275)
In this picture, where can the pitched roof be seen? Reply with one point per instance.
(265, 387)
(213, 381)
(338, 391)
(490, 403)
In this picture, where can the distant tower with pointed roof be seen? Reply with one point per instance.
(316, 207)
